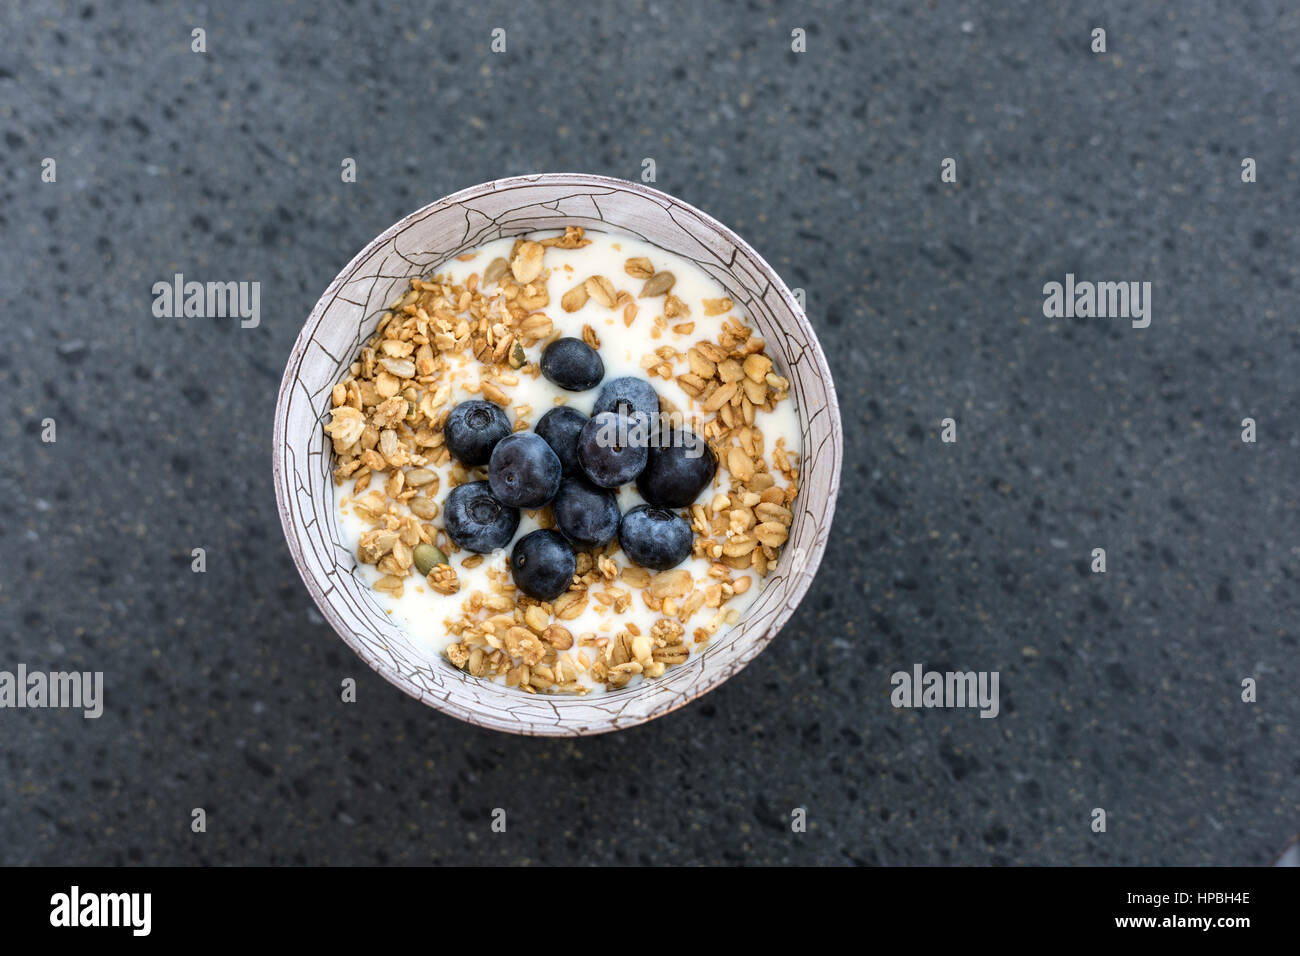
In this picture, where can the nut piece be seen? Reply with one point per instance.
(757, 367)
(730, 371)
(771, 533)
(738, 464)
(720, 397)
(527, 263)
(700, 366)
(641, 648)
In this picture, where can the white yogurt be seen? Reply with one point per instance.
(424, 613)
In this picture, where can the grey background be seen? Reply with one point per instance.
(1118, 691)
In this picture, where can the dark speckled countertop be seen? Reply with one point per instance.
(1118, 690)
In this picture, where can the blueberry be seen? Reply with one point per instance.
(628, 395)
(472, 430)
(572, 364)
(655, 538)
(476, 520)
(560, 427)
(586, 515)
(524, 472)
(677, 470)
(612, 449)
(542, 564)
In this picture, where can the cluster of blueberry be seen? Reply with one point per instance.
(571, 462)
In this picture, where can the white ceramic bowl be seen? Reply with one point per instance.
(347, 315)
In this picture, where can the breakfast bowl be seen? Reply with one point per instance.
(360, 298)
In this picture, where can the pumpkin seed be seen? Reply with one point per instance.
(517, 357)
(428, 557)
(495, 270)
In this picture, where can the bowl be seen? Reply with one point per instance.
(348, 313)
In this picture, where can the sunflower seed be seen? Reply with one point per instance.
(425, 508)
(657, 284)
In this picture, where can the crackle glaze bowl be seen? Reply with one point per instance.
(348, 313)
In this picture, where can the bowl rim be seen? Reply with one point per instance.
(758, 643)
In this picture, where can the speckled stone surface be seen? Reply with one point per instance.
(1118, 690)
